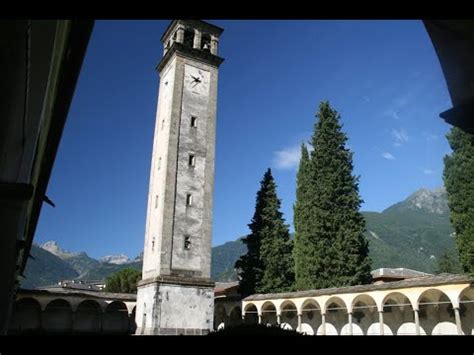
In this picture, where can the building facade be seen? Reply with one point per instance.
(426, 305)
(176, 293)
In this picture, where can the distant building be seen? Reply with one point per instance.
(77, 285)
(388, 274)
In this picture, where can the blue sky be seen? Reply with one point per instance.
(382, 76)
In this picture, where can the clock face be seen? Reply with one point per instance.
(196, 80)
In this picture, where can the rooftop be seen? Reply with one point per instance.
(430, 280)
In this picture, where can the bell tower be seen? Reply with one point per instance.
(176, 294)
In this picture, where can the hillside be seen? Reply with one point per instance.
(45, 269)
(412, 234)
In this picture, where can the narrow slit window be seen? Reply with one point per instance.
(194, 121)
(187, 242)
(191, 160)
(156, 201)
(153, 243)
(189, 199)
(159, 163)
(162, 124)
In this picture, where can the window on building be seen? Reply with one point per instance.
(191, 160)
(189, 199)
(163, 124)
(188, 40)
(187, 242)
(153, 244)
(194, 121)
(156, 201)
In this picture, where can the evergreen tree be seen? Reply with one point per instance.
(459, 182)
(448, 263)
(268, 264)
(330, 247)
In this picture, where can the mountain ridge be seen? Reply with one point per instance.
(412, 233)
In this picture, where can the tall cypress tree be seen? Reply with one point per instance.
(268, 264)
(330, 247)
(459, 181)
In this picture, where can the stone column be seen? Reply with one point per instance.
(197, 39)
(214, 43)
(278, 319)
(180, 34)
(381, 322)
(349, 317)
(323, 323)
(259, 318)
(299, 323)
(417, 322)
(458, 320)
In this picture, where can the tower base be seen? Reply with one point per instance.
(167, 306)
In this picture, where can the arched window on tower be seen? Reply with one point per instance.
(206, 42)
(188, 38)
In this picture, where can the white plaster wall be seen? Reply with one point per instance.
(157, 184)
(186, 307)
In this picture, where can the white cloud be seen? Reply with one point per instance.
(400, 136)
(430, 136)
(287, 158)
(428, 171)
(391, 113)
(388, 156)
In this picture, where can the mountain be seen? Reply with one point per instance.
(54, 248)
(118, 259)
(45, 268)
(223, 259)
(412, 234)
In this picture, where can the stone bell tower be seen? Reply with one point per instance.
(176, 294)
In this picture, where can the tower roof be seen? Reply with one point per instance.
(198, 24)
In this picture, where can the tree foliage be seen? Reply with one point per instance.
(459, 181)
(268, 264)
(330, 247)
(123, 281)
(448, 263)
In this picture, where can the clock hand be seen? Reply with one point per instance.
(196, 79)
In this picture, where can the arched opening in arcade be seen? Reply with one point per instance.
(269, 314)
(250, 314)
(365, 316)
(336, 317)
(88, 317)
(288, 315)
(310, 317)
(57, 317)
(398, 315)
(436, 313)
(26, 316)
(116, 319)
(466, 310)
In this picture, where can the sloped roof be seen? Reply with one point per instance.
(442, 279)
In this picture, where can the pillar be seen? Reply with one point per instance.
(458, 320)
(349, 316)
(299, 323)
(214, 42)
(278, 319)
(197, 39)
(417, 322)
(259, 318)
(180, 35)
(323, 323)
(381, 322)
